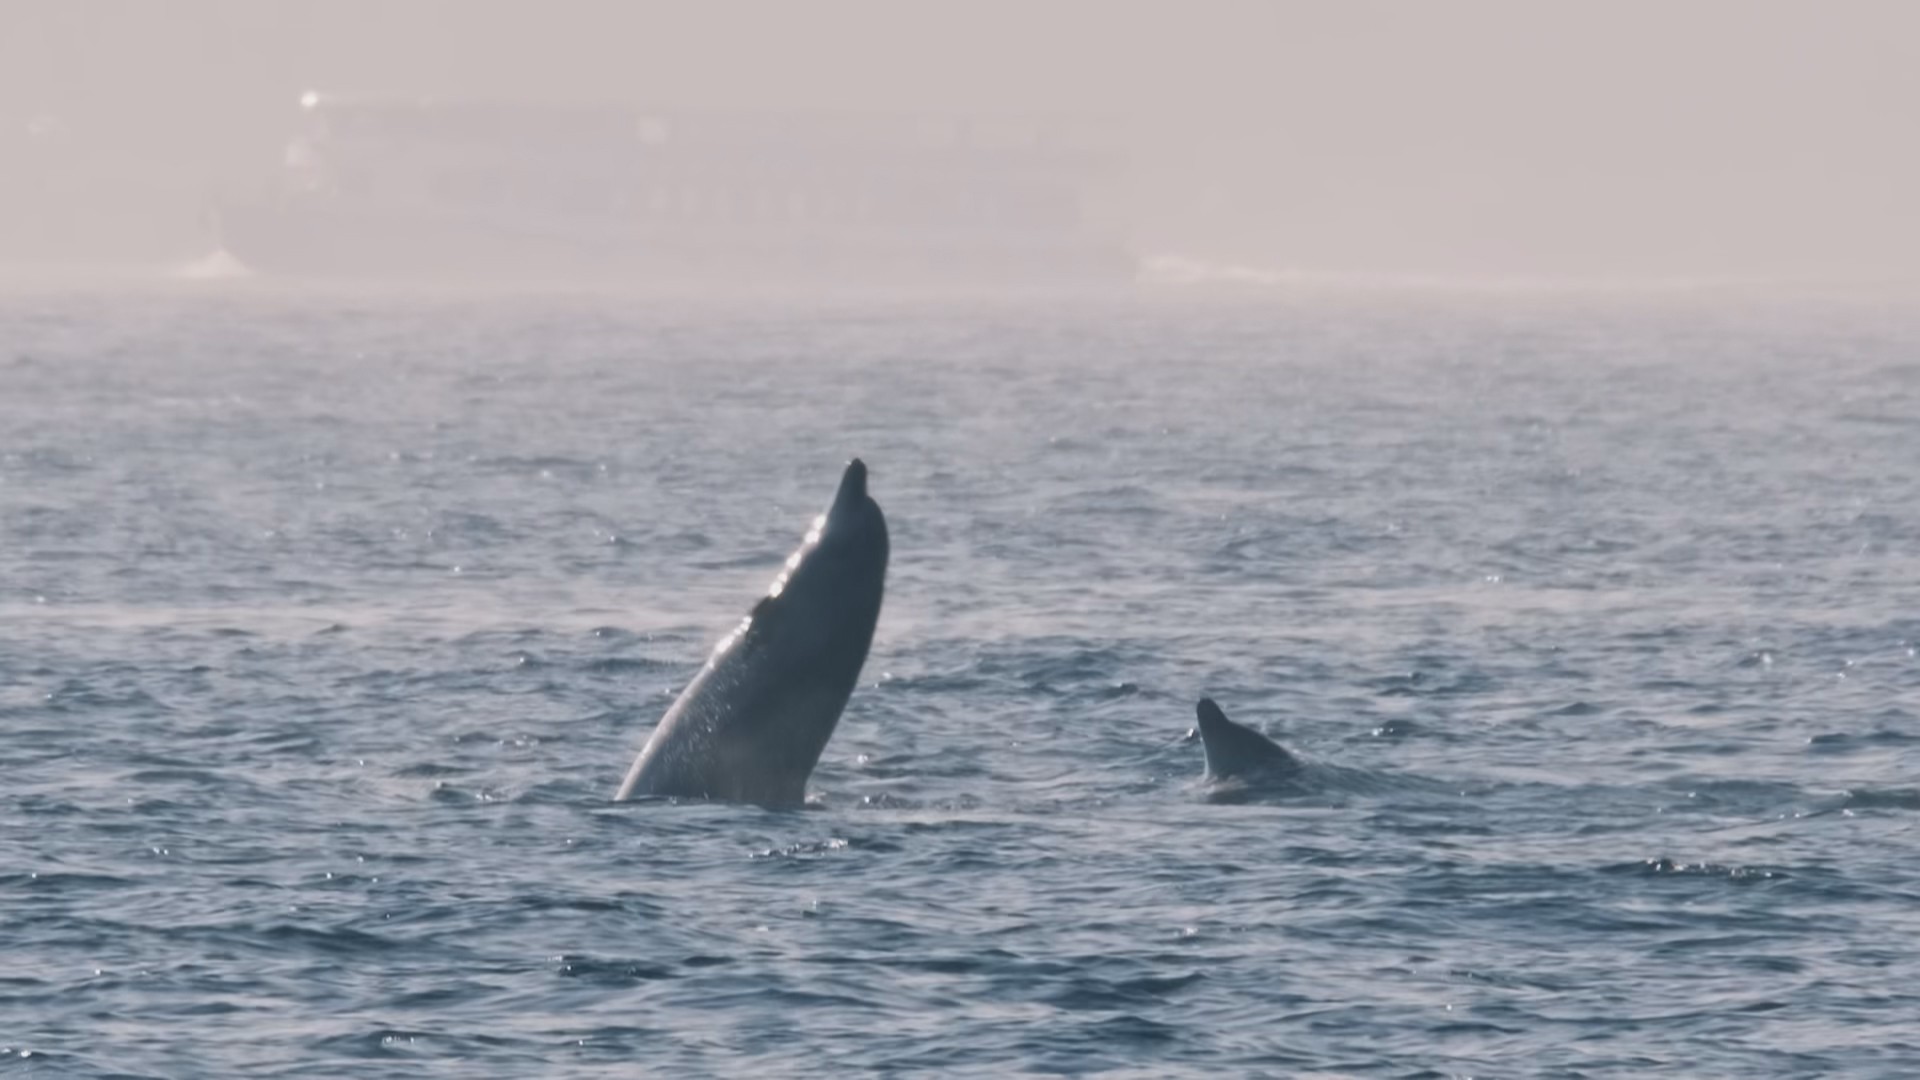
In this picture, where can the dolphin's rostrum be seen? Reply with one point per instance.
(751, 726)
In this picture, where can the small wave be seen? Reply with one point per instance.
(537, 464)
(1666, 867)
(1399, 727)
(1842, 742)
(63, 879)
(1883, 799)
(601, 971)
(1713, 795)
(1183, 271)
(1401, 685)
(623, 665)
(808, 849)
(202, 778)
(1088, 993)
(430, 770)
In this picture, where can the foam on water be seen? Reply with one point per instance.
(327, 626)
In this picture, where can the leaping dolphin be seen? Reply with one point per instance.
(751, 726)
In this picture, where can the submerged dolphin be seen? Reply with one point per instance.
(1238, 753)
(752, 724)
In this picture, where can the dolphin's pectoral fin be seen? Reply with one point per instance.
(766, 616)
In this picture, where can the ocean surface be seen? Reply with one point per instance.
(328, 626)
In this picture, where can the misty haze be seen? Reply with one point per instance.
(1473, 141)
(596, 539)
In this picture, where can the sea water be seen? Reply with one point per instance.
(328, 626)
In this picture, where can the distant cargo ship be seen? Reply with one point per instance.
(430, 191)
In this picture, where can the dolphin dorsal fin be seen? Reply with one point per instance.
(1235, 749)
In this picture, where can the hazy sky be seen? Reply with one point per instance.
(1474, 137)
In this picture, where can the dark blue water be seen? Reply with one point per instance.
(328, 627)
